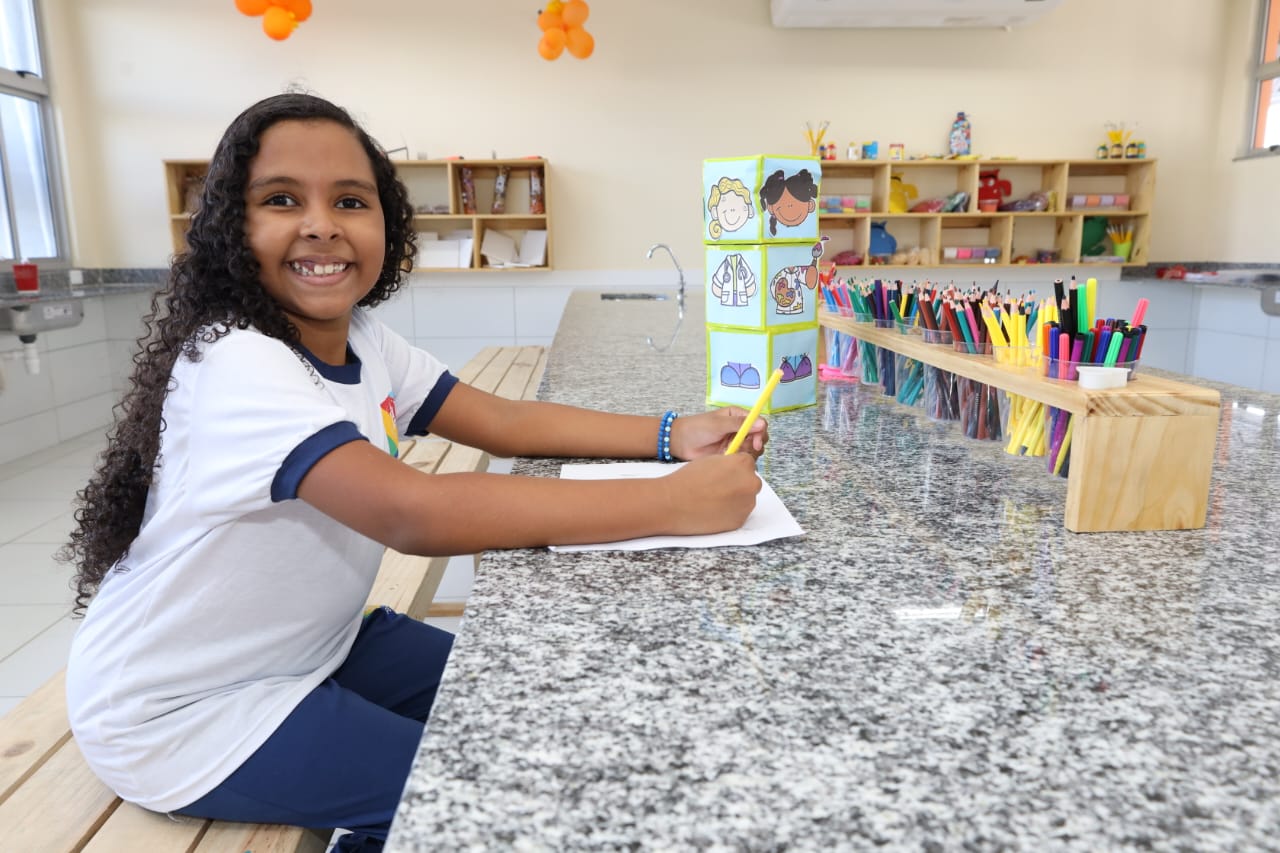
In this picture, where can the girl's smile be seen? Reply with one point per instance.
(315, 224)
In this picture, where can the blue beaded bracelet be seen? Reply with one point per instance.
(664, 437)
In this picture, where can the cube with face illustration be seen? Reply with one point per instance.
(740, 361)
(761, 286)
(763, 199)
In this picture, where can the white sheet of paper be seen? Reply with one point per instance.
(769, 520)
(497, 248)
(533, 249)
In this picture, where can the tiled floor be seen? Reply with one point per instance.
(36, 494)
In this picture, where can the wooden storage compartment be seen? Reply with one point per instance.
(1017, 233)
(183, 181)
(976, 231)
(913, 231)
(435, 190)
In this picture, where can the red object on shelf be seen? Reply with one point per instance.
(991, 187)
(26, 277)
(1176, 271)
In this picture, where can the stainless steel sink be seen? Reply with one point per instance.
(42, 316)
(614, 297)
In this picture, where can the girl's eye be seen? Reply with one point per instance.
(279, 200)
(350, 203)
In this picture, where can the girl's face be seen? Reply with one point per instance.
(732, 211)
(791, 211)
(315, 225)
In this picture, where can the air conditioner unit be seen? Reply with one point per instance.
(907, 13)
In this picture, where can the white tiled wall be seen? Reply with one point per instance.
(1235, 341)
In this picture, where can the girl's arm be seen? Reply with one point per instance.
(529, 428)
(444, 514)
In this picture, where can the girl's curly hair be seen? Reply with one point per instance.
(212, 288)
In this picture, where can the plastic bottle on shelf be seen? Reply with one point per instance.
(960, 141)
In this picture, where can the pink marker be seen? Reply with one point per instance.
(1140, 312)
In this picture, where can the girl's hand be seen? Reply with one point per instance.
(711, 494)
(709, 433)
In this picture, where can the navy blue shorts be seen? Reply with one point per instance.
(340, 760)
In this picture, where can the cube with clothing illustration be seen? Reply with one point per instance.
(739, 362)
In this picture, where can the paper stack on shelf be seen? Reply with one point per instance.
(499, 249)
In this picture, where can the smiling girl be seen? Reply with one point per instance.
(229, 539)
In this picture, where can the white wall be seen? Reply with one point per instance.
(671, 83)
(1246, 225)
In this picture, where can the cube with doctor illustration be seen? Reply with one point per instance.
(762, 286)
(761, 199)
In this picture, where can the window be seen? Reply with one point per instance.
(31, 223)
(1266, 109)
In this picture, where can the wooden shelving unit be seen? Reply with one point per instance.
(435, 188)
(1141, 455)
(1015, 234)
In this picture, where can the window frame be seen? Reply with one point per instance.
(1268, 26)
(37, 89)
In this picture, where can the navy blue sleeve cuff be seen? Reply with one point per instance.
(303, 457)
(430, 406)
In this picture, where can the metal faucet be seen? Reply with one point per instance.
(679, 297)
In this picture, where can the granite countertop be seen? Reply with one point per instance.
(56, 285)
(937, 664)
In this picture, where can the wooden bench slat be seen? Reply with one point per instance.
(226, 837)
(59, 807)
(132, 828)
(479, 362)
(491, 376)
(425, 454)
(32, 732)
(535, 376)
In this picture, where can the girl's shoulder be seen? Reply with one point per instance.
(234, 348)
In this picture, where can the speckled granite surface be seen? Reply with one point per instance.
(56, 284)
(936, 665)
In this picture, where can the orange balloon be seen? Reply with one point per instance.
(252, 8)
(579, 42)
(301, 9)
(555, 39)
(575, 13)
(548, 20)
(549, 51)
(278, 23)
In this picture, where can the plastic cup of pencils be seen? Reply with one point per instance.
(908, 327)
(908, 373)
(1011, 356)
(884, 322)
(862, 317)
(1058, 368)
(869, 363)
(1122, 249)
(979, 407)
(888, 377)
(966, 347)
(941, 394)
(1024, 425)
(1058, 430)
(936, 336)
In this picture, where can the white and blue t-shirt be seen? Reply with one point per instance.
(236, 599)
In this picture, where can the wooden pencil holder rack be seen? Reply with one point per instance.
(1141, 455)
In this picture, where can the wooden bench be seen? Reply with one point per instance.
(405, 583)
(51, 801)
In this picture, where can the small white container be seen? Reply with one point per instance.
(1096, 377)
